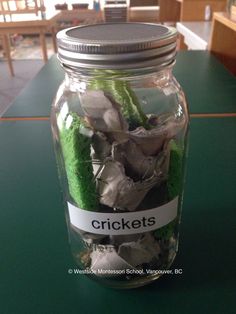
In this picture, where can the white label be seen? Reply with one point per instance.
(123, 223)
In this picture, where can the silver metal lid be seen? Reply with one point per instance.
(117, 45)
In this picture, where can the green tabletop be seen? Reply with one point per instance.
(209, 87)
(36, 98)
(35, 255)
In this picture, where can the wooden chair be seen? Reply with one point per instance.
(6, 48)
(10, 7)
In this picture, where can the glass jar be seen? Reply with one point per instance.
(231, 9)
(119, 124)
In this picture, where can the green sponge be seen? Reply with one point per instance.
(78, 164)
(166, 232)
(123, 95)
(175, 170)
(173, 187)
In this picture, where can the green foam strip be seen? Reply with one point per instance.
(123, 95)
(78, 165)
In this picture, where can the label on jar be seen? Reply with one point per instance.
(123, 223)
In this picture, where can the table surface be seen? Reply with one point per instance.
(195, 33)
(208, 86)
(35, 254)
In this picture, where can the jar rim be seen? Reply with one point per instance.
(105, 46)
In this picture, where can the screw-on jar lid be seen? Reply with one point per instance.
(117, 45)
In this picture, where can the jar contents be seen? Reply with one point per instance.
(118, 159)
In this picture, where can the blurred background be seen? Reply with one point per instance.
(28, 29)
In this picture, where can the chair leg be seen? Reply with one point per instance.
(43, 46)
(7, 50)
(54, 41)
